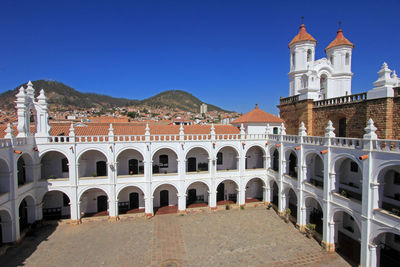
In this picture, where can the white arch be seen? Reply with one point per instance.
(383, 230)
(120, 151)
(164, 183)
(247, 180)
(53, 149)
(344, 156)
(230, 146)
(197, 146)
(92, 149)
(84, 190)
(308, 195)
(255, 145)
(349, 212)
(197, 181)
(127, 186)
(61, 190)
(377, 171)
(6, 161)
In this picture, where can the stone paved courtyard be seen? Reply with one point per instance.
(250, 237)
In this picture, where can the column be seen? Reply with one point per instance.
(242, 196)
(373, 255)
(38, 211)
(328, 241)
(302, 218)
(266, 194)
(212, 199)
(282, 203)
(74, 206)
(181, 202)
(148, 205)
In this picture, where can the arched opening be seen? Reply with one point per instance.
(130, 162)
(275, 194)
(291, 167)
(348, 179)
(389, 189)
(227, 159)
(315, 170)
(292, 203)
(93, 203)
(92, 163)
(275, 160)
(131, 200)
(347, 237)
(54, 165)
(197, 160)
(197, 195)
(342, 127)
(387, 249)
(24, 169)
(255, 158)
(304, 81)
(26, 213)
(314, 215)
(4, 177)
(56, 206)
(165, 161)
(165, 199)
(227, 192)
(293, 60)
(5, 227)
(309, 55)
(275, 130)
(254, 190)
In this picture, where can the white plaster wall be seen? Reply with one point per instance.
(172, 160)
(254, 189)
(89, 200)
(200, 154)
(344, 175)
(124, 195)
(87, 162)
(172, 195)
(254, 158)
(54, 199)
(229, 159)
(123, 160)
(51, 165)
(201, 189)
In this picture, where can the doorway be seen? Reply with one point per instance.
(192, 164)
(23, 216)
(164, 198)
(102, 203)
(101, 168)
(133, 200)
(133, 166)
(220, 192)
(192, 196)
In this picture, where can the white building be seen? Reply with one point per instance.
(203, 108)
(349, 188)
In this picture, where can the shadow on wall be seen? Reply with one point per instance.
(16, 255)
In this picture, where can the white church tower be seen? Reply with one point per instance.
(324, 78)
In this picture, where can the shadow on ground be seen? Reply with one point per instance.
(18, 253)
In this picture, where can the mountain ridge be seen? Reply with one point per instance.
(62, 97)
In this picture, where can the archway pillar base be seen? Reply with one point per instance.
(149, 215)
(75, 222)
(302, 228)
(329, 247)
(113, 218)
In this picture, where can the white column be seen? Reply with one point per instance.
(373, 255)
(282, 203)
(148, 205)
(212, 199)
(242, 195)
(266, 194)
(74, 206)
(181, 202)
(302, 215)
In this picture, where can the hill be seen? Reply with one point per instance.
(63, 97)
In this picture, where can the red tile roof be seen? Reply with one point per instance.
(303, 35)
(257, 115)
(339, 40)
(129, 129)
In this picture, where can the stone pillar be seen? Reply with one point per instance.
(38, 211)
(242, 195)
(302, 218)
(282, 203)
(74, 206)
(181, 202)
(148, 203)
(212, 199)
(328, 241)
(373, 255)
(266, 194)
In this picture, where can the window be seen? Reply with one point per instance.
(21, 171)
(64, 165)
(331, 60)
(293, 60)
(304, 81)
(65, 200)
(353, 167)
(219, 158)
(163, 159)
(323, 82)
(309, 55)
(347, 59)
(396, 178)
(275, 130)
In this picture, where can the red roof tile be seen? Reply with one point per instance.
(339, 40)
(303, 35)
(257, 115)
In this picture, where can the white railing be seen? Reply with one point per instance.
(313, 140)
(387, 145)
(256, 136)
(5, 143)
(197, 137)
(274, 137)
(227, 136)
(290, 138)
(347, 142)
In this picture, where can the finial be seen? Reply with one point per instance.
(302, 20)
(9, 132)
(340, 24)
(302, 129)
(111, 130)
(256, 106)
(370, 130)
(41, 97)
(29, 83)
(329, 131)
(21, 92)
(282, 129)
(181, 131)
(72, 130)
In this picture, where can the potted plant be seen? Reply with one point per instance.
(396, 211)
(94, 174)
(343, 193)
(52, 176)
(228, 205)
(310, 229)
(287, 215)
(165, 171)
(227, 169)
(131, 173)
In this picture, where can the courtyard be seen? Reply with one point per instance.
(250, 237)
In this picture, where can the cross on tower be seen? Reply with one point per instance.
(302, 20)
(340, 24)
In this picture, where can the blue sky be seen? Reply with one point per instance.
(229, 53)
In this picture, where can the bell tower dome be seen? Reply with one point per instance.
(302, 54)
